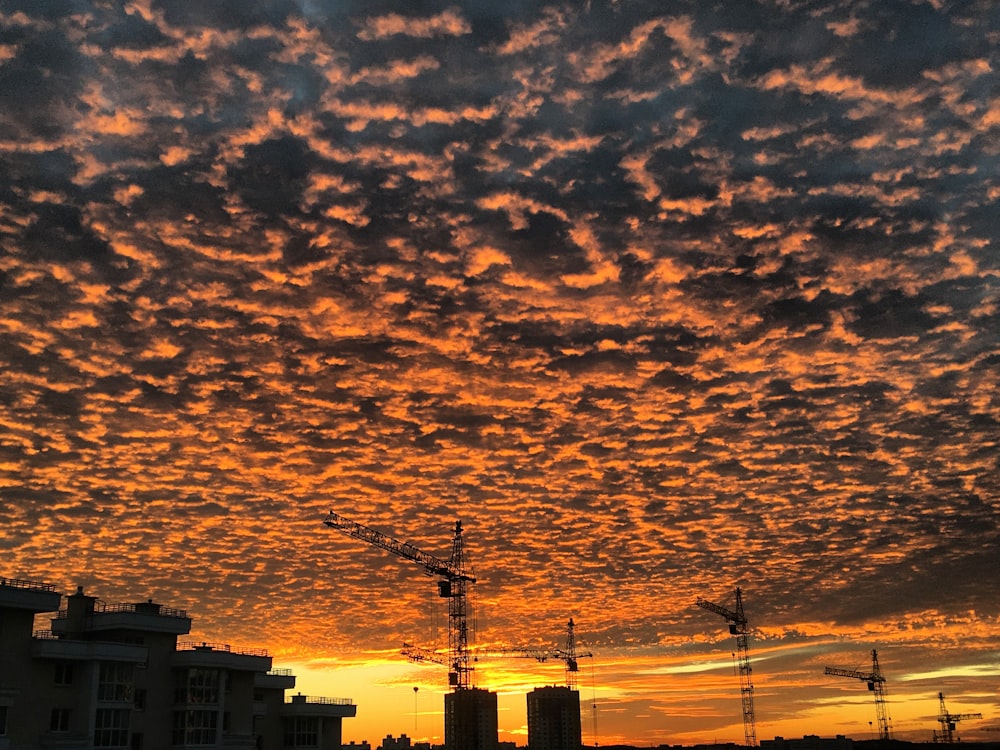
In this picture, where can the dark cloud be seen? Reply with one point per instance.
(657, 301)
(891, 315)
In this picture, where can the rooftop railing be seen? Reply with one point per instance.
(320, 701)
(147, 608)
(20, 583)
(224, 647)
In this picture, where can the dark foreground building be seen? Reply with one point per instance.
(115, 676)
(554, 719)
(470, 720)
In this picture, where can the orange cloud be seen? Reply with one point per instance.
(446, 23)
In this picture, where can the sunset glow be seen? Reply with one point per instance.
(658, 298)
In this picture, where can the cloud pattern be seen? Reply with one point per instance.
(659, 299)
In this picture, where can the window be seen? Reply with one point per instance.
(302, 731)
(195, 727)
(59, 720)
(111, 727)
(3, 721)
(64, 673)
(203, 686)
(114, 682)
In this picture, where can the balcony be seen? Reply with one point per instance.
(17, 593)
(65, 649)
(305, 705)
(146, 617)
(275, 679)
(221, 656)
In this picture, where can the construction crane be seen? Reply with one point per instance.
(421, 654)
(454, 583)
(739, 627)
(876, 684)
(569, 655)
(948, 722)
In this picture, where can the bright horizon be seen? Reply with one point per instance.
(685, 691)
(659, 299)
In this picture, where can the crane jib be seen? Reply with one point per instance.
(432, 565)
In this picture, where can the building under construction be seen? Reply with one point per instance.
(470, 713)
(470, 720)
(554, 719)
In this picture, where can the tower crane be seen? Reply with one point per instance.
(454, 583)
(421, 654)
(876, 684)
(739, 627)
(948, 722)
(569, 655)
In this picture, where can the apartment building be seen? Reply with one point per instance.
(554, 719)
(116, 676)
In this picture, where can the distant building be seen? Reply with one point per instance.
(809, 742)
(392, 743)
(115, 676)
(470, 720)
(352, 745)
(554, 719)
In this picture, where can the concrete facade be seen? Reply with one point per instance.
(470, 720)
(115, 676)
(554, 719)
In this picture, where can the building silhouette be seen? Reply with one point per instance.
(554, 719)
(396, 743)
(470, 720)
(809, 742)
(115, 676)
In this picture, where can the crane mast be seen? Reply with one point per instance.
(570, 656)
(876, 684)
(948, 722)
(453, 585)
(739, 627)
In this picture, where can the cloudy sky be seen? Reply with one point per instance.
(657, 298)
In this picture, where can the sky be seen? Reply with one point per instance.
(657, 298)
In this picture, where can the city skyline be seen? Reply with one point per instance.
(657, 299)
